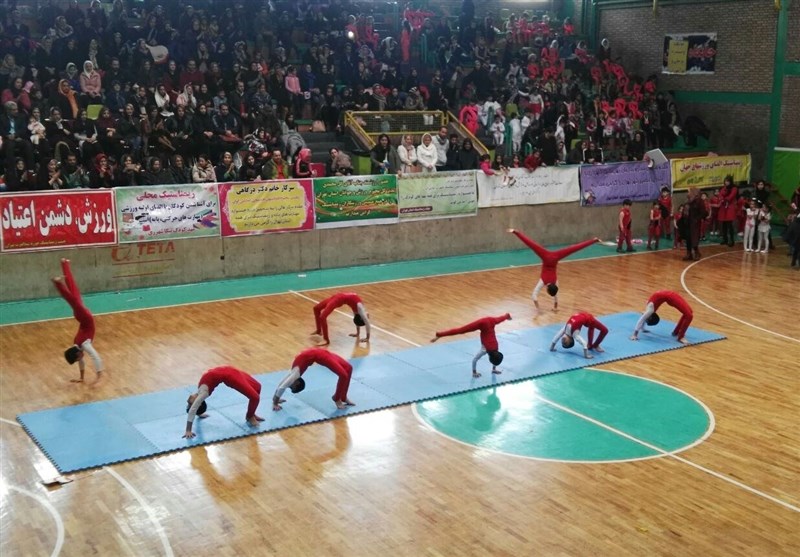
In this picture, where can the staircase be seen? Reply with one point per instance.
(321, 143)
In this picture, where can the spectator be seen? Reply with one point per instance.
(339, 164)
(19, 178)
(467, 156)
(427, 155)
(276, 168)
(13, 130)
(226, 171)
(228, 127)
(384, 157)
(202, 171)
(73, 174)
(181, 174)
(49, 175)
(156, 175)
(87, 135)
(91, 85)
(408, 155)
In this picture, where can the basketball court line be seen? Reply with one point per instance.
(618, 432)
(288, 291)
(125, 483)
(722, 313)
(53, 512)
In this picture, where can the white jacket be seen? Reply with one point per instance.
(408, 156)
(427, 157)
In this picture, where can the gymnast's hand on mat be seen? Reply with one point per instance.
(552, 348)
(276, 406)
(189, 435)
(634, 336)
(475, 374)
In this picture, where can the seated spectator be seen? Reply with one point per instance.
(339, 164)
(156, 175)
(302, 164)
(91, 85)
(14, 133)
(276, 168)
(181, 174)
(226, 171)
(202, 171)
(228, 127)
(250, 169)
(128, 173)
(593, 154)
(102, 175)
(49, 176)
(73, 174)
(59, 134)
(19, 178)
(87, 135)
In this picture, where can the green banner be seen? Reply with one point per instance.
(437, 195)
(355, 200)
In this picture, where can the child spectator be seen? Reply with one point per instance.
(654, 227)
(624, 228)
(764, 217)
(665, 201)
(714, 204)
(750, 225)
(677, 219)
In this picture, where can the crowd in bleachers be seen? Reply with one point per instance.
(143, 93)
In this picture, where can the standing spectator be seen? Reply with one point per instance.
(468, 156)
(665, 202)
(384, 157)
(408, 155)
(727, 210)
(764, 217)
(694, 214)
(427, 154)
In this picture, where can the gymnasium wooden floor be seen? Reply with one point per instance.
(386, 484)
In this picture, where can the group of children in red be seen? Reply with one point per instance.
(728, 214)
(251, 388)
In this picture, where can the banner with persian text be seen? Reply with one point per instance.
(147, 213)
(611, 184)
(265, 207)
(690, 53)
(709, 172)
(552, 184)
(56, 220)
(355, 200)
(437, 195)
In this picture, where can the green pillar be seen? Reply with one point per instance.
(781, 68)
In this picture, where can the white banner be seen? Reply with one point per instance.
(437, 195)
(552, 184)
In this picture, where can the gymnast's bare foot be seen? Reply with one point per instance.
(258, 418)
(497, 371)
(683, 340)
(252, 421)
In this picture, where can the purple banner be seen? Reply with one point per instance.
(610, 184)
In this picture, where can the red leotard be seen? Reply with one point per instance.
(585, 319)
(236, 380)
(72, 295)
(333, 362)
(323, 309)
(485, 325)
(549, 258)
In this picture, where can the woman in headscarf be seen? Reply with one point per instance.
(91, 86)
(302, 164)
(85, 131)
(102, 175)
(66, 101)
(468, 157)
(384, 157)
(427, 156)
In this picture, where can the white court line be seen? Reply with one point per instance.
(150, 512)
(147, 509)
(53, 512)
(339, 286)
(348, 315)
(669, 455)
(712, 308)
(634, 439)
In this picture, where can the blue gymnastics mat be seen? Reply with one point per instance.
(105, 432)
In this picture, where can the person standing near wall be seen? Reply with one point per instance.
(694, 214)
(727, 210)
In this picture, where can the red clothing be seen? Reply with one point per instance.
(485, 325)
(323, 309)
(671, 299)
(549, 258)
(333, 362)
(236, 380)
(585, 319)
(626, 218)
(727, 209)
(72, 295)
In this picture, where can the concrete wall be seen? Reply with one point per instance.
(25, 276)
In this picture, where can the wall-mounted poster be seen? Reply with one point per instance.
(692, 53)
